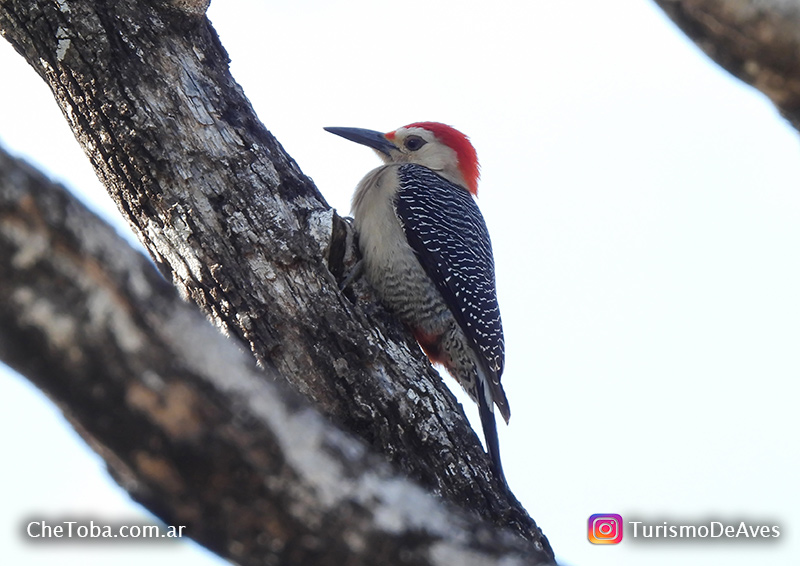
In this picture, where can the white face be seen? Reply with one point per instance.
(418, 145)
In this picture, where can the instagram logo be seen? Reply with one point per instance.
(605, 528)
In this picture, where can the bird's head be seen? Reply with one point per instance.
(436, 146)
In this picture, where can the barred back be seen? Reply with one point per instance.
(446, 229)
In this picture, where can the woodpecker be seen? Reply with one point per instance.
(427, 253)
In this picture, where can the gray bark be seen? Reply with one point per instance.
(233, 222)
(186, 421)
(758, 41)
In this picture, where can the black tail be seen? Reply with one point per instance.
(490, 434)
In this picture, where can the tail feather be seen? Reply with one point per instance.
(489, 425)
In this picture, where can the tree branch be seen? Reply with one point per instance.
(758, 41)
(244, 234)
(186, 422)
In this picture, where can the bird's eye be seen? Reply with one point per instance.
(413, 143)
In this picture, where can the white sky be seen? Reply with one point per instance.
(645, 215)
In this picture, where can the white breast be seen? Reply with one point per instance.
(390, 264)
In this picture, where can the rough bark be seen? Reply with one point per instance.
(185, 420)
(758, 41)
(230, 218)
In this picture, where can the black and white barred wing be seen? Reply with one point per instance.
(446, 230)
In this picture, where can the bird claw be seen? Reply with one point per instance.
(350, 278)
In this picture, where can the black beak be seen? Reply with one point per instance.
(369, 138)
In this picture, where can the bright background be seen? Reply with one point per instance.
(645, 214)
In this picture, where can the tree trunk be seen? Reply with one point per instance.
(230, 218)
(185, 420)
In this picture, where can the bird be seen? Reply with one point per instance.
(426, 252)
